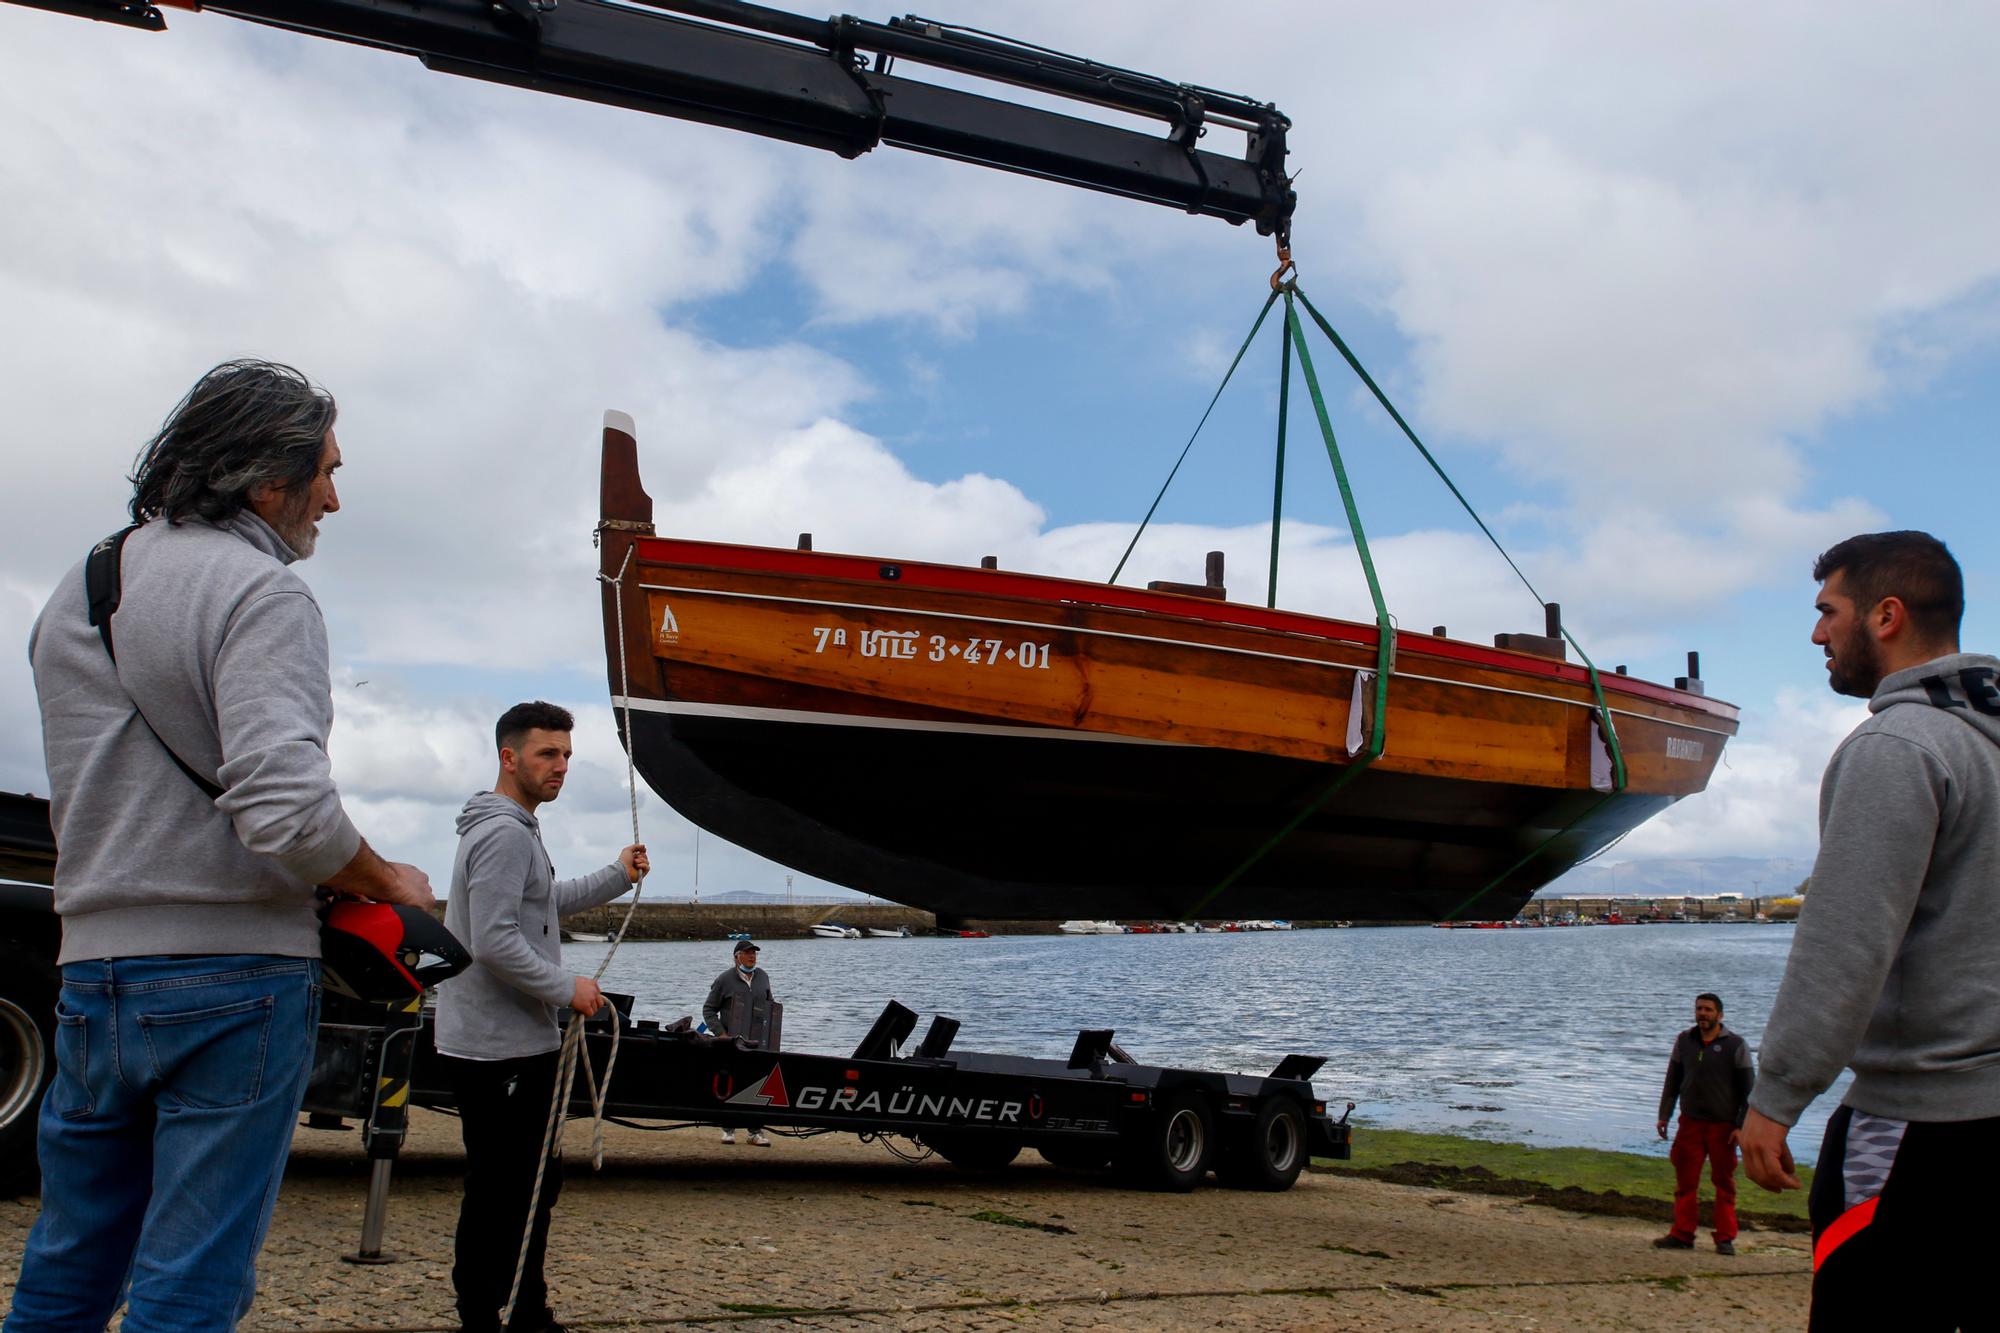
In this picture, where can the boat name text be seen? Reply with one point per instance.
(1679, 748)
(911, 645)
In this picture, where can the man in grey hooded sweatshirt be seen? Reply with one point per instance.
(1895, 969)
(496, 1021)
(185, 733)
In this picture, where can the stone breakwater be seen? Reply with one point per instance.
(760, 921)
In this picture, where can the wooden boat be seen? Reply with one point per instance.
(982, 743)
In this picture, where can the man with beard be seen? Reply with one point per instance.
(1709, 1074)
(185, 705)
(1892, 969)
(496, 1021)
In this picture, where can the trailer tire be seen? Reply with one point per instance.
(977, 1152)
(1271, 1152)
(28, 987)
(1076, 1156)
(1171, 1148)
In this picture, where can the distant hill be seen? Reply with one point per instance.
(1750, 876)
(751, 897)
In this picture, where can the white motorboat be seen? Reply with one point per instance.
(898, 933)
(833, 930)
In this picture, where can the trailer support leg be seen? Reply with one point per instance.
(388, 1120)
(374, 1216)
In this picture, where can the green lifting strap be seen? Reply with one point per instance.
(1175, 470)
(1278, 485)
(1618, 778)
(1385, 630)
(1596, 682)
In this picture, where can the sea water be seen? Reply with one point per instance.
(1550, 1036)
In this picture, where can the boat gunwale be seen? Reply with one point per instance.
(1049, 590)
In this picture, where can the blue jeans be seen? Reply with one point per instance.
(163, 1137)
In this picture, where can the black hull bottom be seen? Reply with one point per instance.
(973, 825)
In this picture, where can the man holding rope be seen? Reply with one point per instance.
(496, 1022)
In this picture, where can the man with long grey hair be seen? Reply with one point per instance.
(182, 673)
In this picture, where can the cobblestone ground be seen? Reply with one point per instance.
(828, 1233)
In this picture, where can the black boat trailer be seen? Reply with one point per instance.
(1156, 1127)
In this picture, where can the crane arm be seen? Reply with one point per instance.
(824, 83)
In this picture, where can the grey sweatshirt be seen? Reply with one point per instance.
(225, 648)
(504, 907)
(1895, 969)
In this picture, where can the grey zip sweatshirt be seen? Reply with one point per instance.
(504, 907)
(1895, 969)
(225, 648)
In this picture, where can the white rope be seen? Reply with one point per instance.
(574, 1052)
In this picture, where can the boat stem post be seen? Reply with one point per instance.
(1552, 619)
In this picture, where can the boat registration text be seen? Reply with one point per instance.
(911, 645)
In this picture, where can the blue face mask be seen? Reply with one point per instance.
(746, 968)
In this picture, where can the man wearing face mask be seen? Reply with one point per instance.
(1892, 970)
(739, 1005)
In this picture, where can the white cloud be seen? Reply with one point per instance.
(1764, 799)
(1641, 257)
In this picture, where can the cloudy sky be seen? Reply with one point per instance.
(1679, 295)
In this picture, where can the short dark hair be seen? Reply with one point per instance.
(1913, 566)
(1712, 998)
(244, 424)
(521, 719)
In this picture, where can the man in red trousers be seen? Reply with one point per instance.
(1709, 1073)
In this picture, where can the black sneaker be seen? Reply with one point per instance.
(1725, 1247)
(1672, 1242)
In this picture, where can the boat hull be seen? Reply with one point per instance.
(986, 744)
(1031, 827)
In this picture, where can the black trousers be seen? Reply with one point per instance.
(503, 1111)
(1920, 1260)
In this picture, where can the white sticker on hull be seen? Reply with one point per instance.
(1680, 748)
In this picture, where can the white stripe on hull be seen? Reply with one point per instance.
(741, 712)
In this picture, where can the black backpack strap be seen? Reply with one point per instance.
(103, 586)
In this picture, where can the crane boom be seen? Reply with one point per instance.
(810, 81)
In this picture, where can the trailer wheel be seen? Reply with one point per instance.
(1271, 1153)
(1076, 1156)
(28, 986)
(976, 1152)
(1171, 1148)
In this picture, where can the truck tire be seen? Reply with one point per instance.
(1271, 1152)
(977, 1152)
(1076, 1156)
(28, 986)
(1171, 1148)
